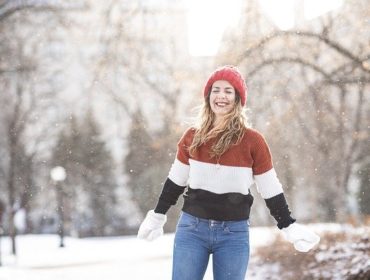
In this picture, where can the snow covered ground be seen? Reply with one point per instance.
(113, 258)
(40, 258)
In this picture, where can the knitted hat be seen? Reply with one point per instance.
(233, 76)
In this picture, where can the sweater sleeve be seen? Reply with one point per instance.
(169, 196)
(178, 176)
(279, 210)
(268, 184)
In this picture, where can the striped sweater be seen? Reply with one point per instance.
(219, 189)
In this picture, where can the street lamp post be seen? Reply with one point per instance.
(58, 175)
(2, 210)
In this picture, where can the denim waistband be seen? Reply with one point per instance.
(212, 222)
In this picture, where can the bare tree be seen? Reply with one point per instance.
(27, 93)
(316, 86)
(144, 62)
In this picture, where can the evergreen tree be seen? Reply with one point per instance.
(148, 163)
(140, 165)
(90, 184)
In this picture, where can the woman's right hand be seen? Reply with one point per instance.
(152, 226)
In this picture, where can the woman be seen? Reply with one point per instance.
(218, 161)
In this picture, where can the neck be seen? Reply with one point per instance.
(217, 121)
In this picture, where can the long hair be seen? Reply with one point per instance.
(230, 130)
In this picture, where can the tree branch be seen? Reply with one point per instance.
(12, 6)
(296, 60)
(360, 62)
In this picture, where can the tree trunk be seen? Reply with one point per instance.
(11, 190)
(12, 229)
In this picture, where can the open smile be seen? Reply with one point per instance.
(221, 104)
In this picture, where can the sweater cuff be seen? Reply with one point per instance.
(169, 196)
(279, 210)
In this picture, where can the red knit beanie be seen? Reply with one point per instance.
(233, 76)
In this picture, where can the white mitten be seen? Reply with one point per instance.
(152, 226)
(302, 237)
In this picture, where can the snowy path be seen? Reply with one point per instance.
(117, 258)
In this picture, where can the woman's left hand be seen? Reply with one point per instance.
(301, 236)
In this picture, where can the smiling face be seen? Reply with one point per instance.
(222, 98)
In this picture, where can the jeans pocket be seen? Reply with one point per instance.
(186, 222)
(182, 225)
(237, 227)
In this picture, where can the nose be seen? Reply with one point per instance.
(222, 94)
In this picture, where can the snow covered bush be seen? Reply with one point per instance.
(342, 254)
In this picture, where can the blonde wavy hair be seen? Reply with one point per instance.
(230, 130)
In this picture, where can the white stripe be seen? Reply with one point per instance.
(268, 184)
(179, 173)
(219, 178)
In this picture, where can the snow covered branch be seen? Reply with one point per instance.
(10, 7)
(361, 62)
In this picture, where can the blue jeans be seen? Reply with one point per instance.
(197, 238)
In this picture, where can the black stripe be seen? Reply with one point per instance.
(279, 210)
(169, 196)
(222, 207)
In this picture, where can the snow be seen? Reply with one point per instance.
(343, 253)
(40, 258)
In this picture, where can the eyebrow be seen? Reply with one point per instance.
(225, 87)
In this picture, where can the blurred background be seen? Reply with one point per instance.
(103, 90)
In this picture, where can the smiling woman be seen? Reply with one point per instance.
(207, 20)
(218, 159)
